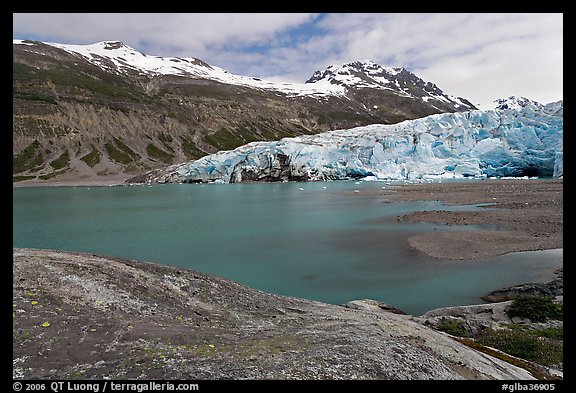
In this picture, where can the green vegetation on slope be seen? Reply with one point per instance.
(535, 308)
(92, 158)
(542, 346)
(536, 371)
(23, 95)
(21, 178)
(28, 159)
(62, 161)
(73, 78)
(224, 139)
(119, 152)
(190, 149)
(159, 154)
(454, 327)
(36, 126)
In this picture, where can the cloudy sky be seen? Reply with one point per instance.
(480, 57)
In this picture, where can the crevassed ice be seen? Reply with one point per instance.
(511, 142)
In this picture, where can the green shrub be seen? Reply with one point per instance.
(524, 344)
(536, 308)
(552, 333)
(454, 327)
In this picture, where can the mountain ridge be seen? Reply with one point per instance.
(105, 109)
(126, 58)
(366, 73)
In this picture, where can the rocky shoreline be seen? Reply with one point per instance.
(475, 321)
(91, 317)
(85, 180)
(552, 288)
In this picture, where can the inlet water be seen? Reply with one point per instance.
(320, 241)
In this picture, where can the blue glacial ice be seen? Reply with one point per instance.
(525, 141)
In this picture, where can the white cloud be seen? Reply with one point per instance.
(172, 33)
(477, 56)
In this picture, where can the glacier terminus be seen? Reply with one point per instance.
(515, 141)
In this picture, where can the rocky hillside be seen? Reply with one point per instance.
(106, 109)
(89, 317)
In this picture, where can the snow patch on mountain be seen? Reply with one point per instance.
(516, 103)
(500, 142)
(23, 42)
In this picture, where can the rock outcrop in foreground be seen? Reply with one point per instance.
(86, 316)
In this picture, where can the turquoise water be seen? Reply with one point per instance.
(321, 241)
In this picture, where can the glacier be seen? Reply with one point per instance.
(518, 141)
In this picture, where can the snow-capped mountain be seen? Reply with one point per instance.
(115, 56)
(516, 103)
(367, 74)
(519, 103)
(500, 142)
(108, 109)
